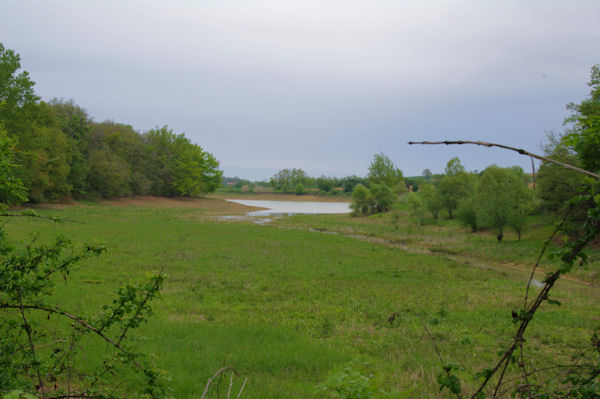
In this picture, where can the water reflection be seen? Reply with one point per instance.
(293, 207)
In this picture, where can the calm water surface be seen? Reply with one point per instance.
(294, 207)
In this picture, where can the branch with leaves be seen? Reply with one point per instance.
(581, 379)
(27, 281)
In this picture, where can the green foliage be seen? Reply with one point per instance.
(63, 153)
(382, 171)
(285, 180)
(504, 199)
(467, 213)
(37, 353)
(349, 182)
(32, 354)
(446, 379)
(299, 189)
(383, 197)
(12, 190)
(179, 167)
(556, 185)
(76, 124)
(584, 137)
(454, 186)
(351, 382)
(415, 203)
(109, 174)
(16, 89)
(380, 198)
(325, 184)
(362, 200)
(432, 200)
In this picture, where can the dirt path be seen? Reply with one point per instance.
(518, 272)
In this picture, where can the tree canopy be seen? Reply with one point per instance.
(61, 152)
(454, 186)
(383, 171)
(584, 135)
(503, 198)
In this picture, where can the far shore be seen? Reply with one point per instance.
(280, 197)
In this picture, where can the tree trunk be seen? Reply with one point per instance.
(499, 236)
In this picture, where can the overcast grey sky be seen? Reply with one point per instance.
(321, 85)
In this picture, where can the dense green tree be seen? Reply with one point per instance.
(432, 200)
(383, 196)
(417, 209)
(285, 180)
(40, 143)
(12, 190)
(16, 91)
(76, 124)
(178, 167)
(556, 185)
(109, 174)
(325, 184)
(299, 189)
(62, 152)
(467, 213)
(349, 182)
(194, 171)
(362, 200)
(584, 136)
(383, 171)
(456, 185)
(504, 199)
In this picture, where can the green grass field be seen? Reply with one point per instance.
(287, 304)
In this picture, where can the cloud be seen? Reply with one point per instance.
(325, 84)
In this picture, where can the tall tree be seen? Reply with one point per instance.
(16, 90)
(557, 185)
(179, 167)
(12, 190)
(504, 199)
(456, 185)
(76, 124)
(584, 136)
(285, 180)
(383, 171)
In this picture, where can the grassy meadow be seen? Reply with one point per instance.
(292, 302)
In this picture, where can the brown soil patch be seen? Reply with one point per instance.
(214, 206)
(161, 202)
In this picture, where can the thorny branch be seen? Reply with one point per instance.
(72, 317)
(548, 282)
(519, 150)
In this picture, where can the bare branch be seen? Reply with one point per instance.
(519, 150)
(242, 388)
(217, 374)
(53, 219)
(74, 318)
(31, 345)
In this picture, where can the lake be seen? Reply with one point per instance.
(293, 207)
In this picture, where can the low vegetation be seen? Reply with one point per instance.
(292, 308)
(404, 300)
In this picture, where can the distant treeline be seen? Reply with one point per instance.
(62, 152)
(296, 181)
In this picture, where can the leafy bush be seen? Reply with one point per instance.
(351, 382)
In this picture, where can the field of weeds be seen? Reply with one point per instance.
(295, 310)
